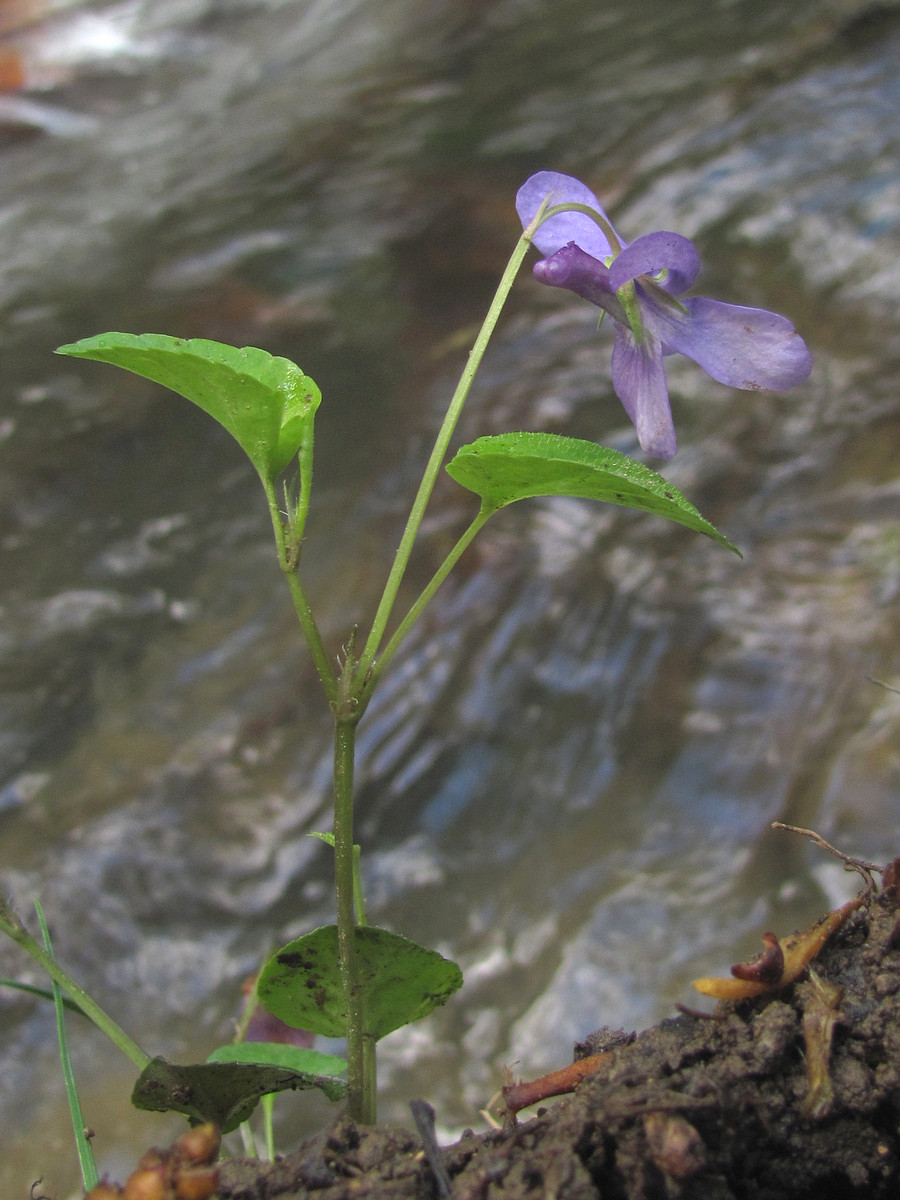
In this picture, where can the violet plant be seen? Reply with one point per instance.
(351, 979)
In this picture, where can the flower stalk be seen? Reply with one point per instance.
(439, 451)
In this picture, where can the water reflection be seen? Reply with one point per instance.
(568, 777)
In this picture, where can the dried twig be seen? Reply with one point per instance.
(850, 863)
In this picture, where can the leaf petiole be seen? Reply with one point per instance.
(403, 629)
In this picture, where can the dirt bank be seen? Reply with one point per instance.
(790, 1095)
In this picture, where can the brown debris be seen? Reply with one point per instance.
(821, 1012)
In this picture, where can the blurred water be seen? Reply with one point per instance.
(567, 779)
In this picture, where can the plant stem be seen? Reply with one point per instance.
(360, 1060)
(267, 1103)
(288, 566)
(305, 466)
(248, 1140)
(425, 596)
(359, 896)
(13, 927)
(423, 495)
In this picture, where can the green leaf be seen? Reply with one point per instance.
(266, 403)
(514, 466)
(278, 1054)
(400, 982)
(327, 838)
(223, 1092)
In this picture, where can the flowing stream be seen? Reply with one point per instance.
(568, 776)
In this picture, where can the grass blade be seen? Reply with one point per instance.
(85, 1153)
(44, 993)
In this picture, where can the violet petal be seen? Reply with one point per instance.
(658, 252)
(640, 381)
(565, 227)
(578, 272)
(747, 348)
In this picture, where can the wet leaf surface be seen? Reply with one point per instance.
(515, 466)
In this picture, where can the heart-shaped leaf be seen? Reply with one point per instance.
(225, 1093)
(266, 403)
(514, 466)
(400, 981)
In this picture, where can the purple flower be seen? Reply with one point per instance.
(639, 285)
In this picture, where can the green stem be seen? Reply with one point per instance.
(369, 1072)
(401, 558)
(248, 1140)
(267, 1103)
(359, 897)
(288, 563)
(360, 1061)
(305, 464)
(425, 596)
(13, 927)
(598, 219)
